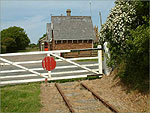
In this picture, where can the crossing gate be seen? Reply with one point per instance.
(11, 75)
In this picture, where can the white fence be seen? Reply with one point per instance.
(10, 75)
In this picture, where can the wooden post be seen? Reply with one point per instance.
(49, 72)
(46, 81)
(100, 60)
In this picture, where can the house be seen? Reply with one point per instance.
(69, 32)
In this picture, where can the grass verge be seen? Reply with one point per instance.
(28, 50)
(26, 97)
(88, 60)
(21, 98)
(75, 79)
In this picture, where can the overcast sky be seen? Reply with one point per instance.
(32, 15)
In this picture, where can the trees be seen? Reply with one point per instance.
(136, 64)
(117, 27)
(44, 35)
(8, 45)
(13, 39)
(127, 32)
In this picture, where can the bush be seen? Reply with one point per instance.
(127, 33)
(134, 70)
(9, 44)
(13, 39)
(116, 29)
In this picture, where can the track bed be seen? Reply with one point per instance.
(72, 97)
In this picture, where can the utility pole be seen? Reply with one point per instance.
(50, 17)
(100, 18)
(80, 12)
(90, 8)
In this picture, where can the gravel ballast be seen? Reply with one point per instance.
(109, 89)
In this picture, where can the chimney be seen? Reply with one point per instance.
(68, 12)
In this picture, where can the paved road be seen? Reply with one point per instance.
(38, 65)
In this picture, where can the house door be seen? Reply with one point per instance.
(45, 46)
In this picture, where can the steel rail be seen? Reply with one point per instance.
(101, 99)
(65, 98)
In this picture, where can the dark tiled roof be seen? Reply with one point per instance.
(72, 28)
(49, 32)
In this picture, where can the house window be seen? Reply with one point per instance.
(75, 41)
(58, 42)
(90, 41)
(79, 41)
(45, 44)
(85, 41)
(64, 41)
(69, 41)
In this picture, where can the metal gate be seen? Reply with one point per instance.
(11, 75)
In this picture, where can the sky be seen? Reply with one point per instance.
(32, 15)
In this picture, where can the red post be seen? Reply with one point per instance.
(46, 81)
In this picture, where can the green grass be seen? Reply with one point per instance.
(88, 60)
(25, 97)
(21, 98)
(75, 79)
(28, 50)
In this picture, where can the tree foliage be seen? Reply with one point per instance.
(135, 69)
(9, 44)
(117, 28)
(44, 35)
(127, 32)
(13, 39)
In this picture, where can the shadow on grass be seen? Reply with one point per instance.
(131, 82)
(75, 79)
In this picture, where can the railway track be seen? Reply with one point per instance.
(79, 98)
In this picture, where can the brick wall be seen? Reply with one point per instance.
(71, 45)
(64, 46)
